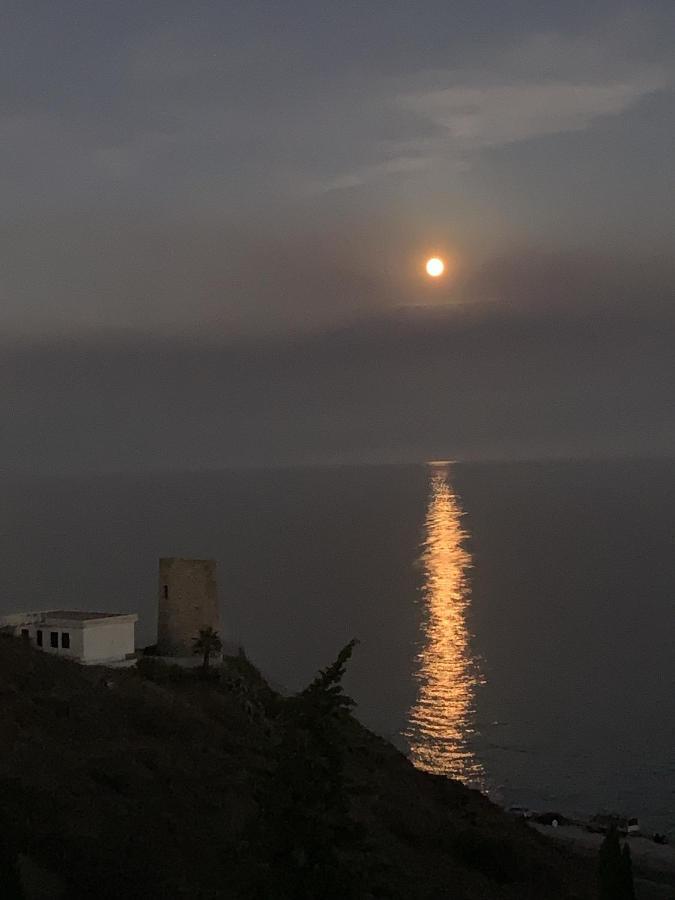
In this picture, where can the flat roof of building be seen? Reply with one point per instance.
(81, 615)
(186, 559)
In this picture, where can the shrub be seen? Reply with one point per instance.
(160, 672)
(494, 857)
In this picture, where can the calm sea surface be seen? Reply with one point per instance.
(517, 622)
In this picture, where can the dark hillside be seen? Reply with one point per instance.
(160, 784)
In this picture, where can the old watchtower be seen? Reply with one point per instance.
(188, 601)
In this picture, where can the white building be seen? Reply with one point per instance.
(90, 638)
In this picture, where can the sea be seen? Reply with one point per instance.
(516, 621)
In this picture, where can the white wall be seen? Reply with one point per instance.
(109, 640)
(20, 623)
(92, 641)
(76, 645)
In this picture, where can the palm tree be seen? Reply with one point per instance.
(208, 643)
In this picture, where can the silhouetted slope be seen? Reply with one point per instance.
(126, 787)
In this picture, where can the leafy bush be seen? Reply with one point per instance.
(159, 671)
(306, 834)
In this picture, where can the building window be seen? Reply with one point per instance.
(25, 634)
(54, 638)
(38, 637)
(166, 591)
(65, 640)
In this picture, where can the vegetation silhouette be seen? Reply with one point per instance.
(207, 644)
(10, 882)
(615, 869)
(307, 843)
(157, 782)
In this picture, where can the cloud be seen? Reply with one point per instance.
(191, 116)
(494, 115)
(86, 273)
(209, 179)
(523, 375)
(545, 85)
(580, 283)
(397, 165)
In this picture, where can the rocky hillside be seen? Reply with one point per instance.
(157, 783)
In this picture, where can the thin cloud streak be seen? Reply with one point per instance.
(497, 115)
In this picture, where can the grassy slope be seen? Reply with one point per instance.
(125, 787)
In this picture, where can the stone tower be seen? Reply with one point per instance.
(188, 601)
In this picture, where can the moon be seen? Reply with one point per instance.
(435, 267)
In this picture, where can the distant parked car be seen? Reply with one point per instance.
(552, 818)
(604, 821)
(521, 812)
(633, 826)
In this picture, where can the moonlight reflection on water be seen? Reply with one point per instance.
(441, 722)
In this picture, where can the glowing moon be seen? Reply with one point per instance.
(435, 267)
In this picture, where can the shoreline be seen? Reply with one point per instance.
(653, 864)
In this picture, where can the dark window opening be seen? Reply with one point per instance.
(65, 640)
(54, 638)
(25, 634)
(38, 636)
(166, 591)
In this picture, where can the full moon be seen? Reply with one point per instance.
(435, 267)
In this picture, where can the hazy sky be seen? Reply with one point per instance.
(214, 217)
